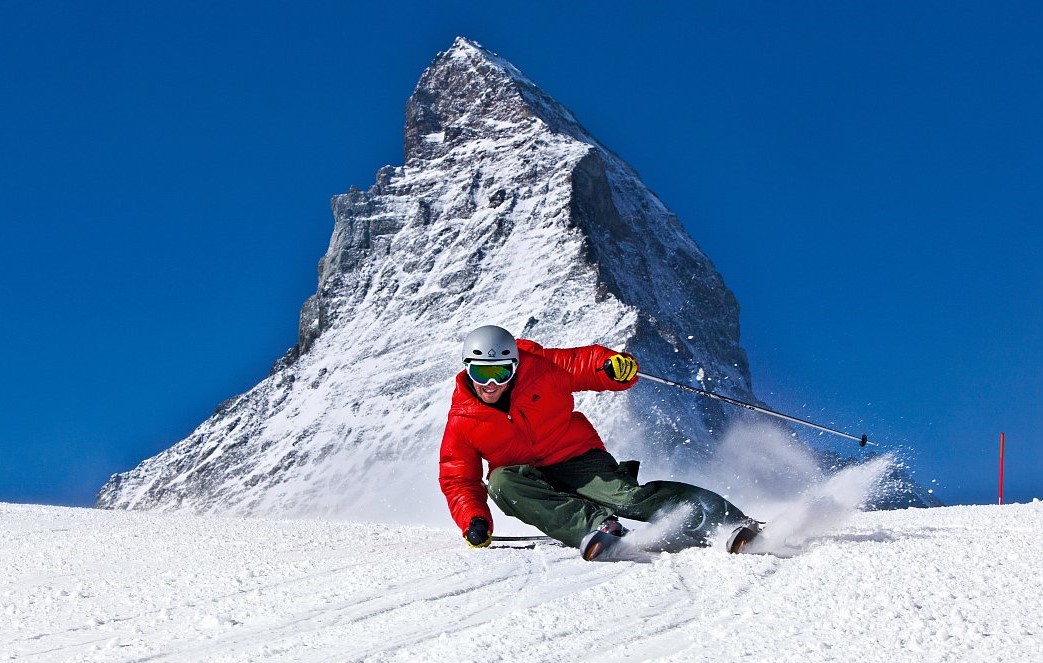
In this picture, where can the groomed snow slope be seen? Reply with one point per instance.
(945, 584)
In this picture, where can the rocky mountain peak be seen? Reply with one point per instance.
(470, 92)
(505, 212)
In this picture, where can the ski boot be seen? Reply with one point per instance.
(747, 531)
(599, 543)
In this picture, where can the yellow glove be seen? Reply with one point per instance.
(621, 368)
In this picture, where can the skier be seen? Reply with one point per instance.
(513, 407)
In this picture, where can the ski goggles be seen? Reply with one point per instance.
(499, 372)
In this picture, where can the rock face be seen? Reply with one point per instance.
(506, 212)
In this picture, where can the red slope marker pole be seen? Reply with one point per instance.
(1002, 441)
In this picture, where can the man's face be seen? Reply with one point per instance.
(490, 393)
(486, 374)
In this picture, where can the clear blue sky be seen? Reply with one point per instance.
(867, 177)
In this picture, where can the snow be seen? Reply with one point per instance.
(945, 584)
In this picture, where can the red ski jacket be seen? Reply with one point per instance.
(540, 429)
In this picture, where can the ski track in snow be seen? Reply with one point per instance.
(946, 584)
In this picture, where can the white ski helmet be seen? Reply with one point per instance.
(489, 343)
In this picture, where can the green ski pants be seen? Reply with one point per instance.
(568, 500)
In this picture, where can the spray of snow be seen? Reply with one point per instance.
(661, 532)
(821, 509)
(774, 477)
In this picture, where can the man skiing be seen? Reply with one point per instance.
(513, 407)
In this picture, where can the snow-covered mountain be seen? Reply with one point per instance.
(951, 584)
(507, 211)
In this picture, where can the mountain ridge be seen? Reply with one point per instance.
(496, 216)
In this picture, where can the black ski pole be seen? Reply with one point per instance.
(862, 441)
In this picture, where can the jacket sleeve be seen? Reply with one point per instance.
(583, 364)
(460, 477)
